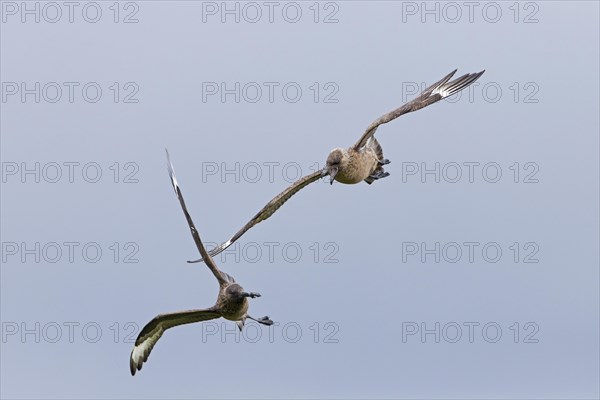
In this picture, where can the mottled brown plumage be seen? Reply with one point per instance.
(362, 162)
(232, 301)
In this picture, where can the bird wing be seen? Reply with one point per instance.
(222, 277)
(155, 328)
(266, 211)
(432, 94)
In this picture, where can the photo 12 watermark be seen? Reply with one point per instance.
(270, 12)
(327, 252)
(256, 171)
(28, 172)
(68, 332)
(527, 172)
(283, 332)
(270, 92)
(70, 12)
(470, 332)
(453, 12)
(471, 252)
(527, 92)
(216, 331)
(70, 252)
(69, 92)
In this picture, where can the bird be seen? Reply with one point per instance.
(363, 161)
(232, 301)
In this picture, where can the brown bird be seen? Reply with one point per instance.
(232, 301)
(362, 162)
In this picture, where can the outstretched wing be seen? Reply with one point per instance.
(155, 328)
(266, 211)
(221, 276)
(432, 94)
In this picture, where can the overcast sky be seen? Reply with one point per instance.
(471, 271)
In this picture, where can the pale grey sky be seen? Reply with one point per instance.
(502, 270)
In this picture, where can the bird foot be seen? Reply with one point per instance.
(385, 161)
(253, 295)
(379, 175)
(265, 321)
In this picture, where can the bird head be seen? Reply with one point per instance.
(334, 161)
(236, 291)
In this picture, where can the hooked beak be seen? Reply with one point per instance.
(333, 171)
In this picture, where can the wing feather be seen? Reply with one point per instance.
(268, 210)
(222, 277)
(434, 93)
(154, 329)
